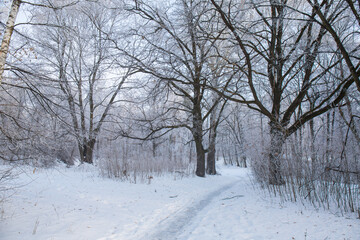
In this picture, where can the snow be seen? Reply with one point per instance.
(75, 203)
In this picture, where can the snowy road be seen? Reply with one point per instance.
(76, 204)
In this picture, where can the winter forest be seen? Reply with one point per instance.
(139, 89)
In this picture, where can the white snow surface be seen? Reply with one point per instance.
(75, 203)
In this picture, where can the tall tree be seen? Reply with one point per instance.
(83, 68)
(177, 55)
(281, 54)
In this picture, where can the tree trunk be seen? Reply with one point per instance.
(200, 157)
(224, 157)
(312, 147)
(197, 132)
(328, 139)
(236, 157)
(198, 138)
(81, 150)
(9, 28)
(190, 152)
(244, 163)
(277, 140)
(88, 151)
(210, 167)
(154, 146)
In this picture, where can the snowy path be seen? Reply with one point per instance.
(79, 205)
(172, 227)
(237, 212)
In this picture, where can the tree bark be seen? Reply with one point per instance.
(200, 157)
(210, 166)
(236, 157)
(277, 139)
(312, 147)
(88, 151)
(198, 138)
(243, 160)
(7, 35)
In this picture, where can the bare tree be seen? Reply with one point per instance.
(10, 25)
(85, 75)
(177, 55)
(343, 38)
(233, 130)
(218, 73)
(284, 37)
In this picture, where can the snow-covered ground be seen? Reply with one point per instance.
(77, 204)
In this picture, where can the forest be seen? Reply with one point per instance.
(140, 88)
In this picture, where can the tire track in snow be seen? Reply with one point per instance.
(170, 228)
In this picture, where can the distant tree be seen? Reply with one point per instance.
(233, 131)
(82, 68)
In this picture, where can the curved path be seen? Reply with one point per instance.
(237, 211)
(173, 227)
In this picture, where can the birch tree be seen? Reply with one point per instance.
(9, 28)
(10, 25)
